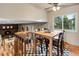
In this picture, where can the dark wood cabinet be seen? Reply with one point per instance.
(8, 28)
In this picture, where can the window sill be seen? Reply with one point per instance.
(66, 30)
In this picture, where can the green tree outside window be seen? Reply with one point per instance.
(67, 20)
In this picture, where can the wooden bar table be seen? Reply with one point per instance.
(21, 44)
(21, 48)
(48, 36)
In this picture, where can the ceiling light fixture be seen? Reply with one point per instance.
(56, 7)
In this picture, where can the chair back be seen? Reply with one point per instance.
(61, 36)
(61, 42)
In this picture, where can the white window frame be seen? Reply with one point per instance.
(67, 30)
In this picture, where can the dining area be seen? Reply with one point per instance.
(39, 43)
(39, 30)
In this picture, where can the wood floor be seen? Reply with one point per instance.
(73, 49)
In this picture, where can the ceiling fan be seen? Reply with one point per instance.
(54, 6)
(58, 6)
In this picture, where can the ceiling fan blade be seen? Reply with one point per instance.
(51, 5)
(48, 7)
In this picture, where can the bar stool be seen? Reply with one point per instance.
(47, 45)
(40, 38)
(58, 44)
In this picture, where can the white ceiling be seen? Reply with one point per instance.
(16, 13)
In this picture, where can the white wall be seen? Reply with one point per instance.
(21, 12)
(71, 37)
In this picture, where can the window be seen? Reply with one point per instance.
(66, 22)
(58, 22)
